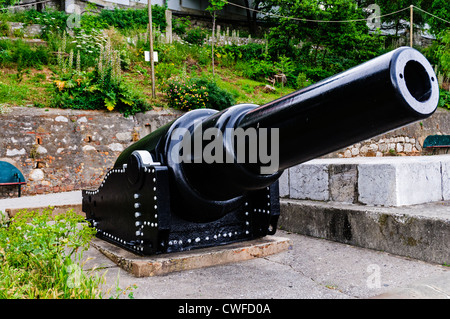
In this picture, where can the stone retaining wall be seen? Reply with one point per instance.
(64, 150)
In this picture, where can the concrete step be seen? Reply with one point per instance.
(417, 231)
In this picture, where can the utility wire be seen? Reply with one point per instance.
(431, 14)
(331, 21)
(310, 20)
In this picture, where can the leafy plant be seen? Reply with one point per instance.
(186, 95)
(197, 93)
(41, 257)
(180, 25)
(102, 88)
(444, 100)
(195, 36)
(303, 81)
(133, 18)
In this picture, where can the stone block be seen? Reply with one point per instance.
(400, 181)
(445, 168)
(309, 181)
(343, 180)
(284, 184)
(377, 184)
(418, 182)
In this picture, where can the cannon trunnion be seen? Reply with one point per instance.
(197, 182)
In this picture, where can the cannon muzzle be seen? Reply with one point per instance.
(210, 177)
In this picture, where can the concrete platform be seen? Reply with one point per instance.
(148, 266)
(416, 231)
(383, 181)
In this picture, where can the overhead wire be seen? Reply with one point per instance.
(329, 21)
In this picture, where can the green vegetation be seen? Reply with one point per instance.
(79, 75)
(41, 257)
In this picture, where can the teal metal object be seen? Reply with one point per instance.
(435, 141)
(11, 175)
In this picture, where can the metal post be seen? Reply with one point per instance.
(150, 27)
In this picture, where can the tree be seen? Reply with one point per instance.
(7, 3)
(441, 9)
(346, 40)
(213, 8)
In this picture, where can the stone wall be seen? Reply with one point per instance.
(63, 150)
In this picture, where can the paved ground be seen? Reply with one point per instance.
(311, 269)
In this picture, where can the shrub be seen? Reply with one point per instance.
(186, 95)
(102, 88)
(197, 93)
(4, 28)
(256, 69)
(444, 100)
(40, 257)
(218, 98)
(195, 36)
(180, 25)
(53, 21)
(22, 54)
(133, 18)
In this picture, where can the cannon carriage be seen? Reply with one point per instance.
(211, 178)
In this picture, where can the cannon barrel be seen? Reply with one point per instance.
(210, 177)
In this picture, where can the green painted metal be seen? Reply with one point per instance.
(433, 141)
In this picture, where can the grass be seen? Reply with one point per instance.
(25, 88)
(41, 257)
(243, 89)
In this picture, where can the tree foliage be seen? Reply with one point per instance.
(326, 38)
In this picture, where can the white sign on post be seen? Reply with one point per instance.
(147, 56)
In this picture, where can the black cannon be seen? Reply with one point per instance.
(211, 178)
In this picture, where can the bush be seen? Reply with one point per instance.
(22, 54)
(218, 98)
(186, 95)
(102, 88)
(303, 81)
(197, 93)
(40, 257)
(195, 36)
(180, 25)
(53, 22)
(444, 100)
(133, 18)
(256, 69)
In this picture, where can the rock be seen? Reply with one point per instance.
(124, 136)
(15, 152)
(268, 89)
(116, 147)
(41, 150)
(87, 148)
(61, 119)
(408, 148)
(37, 174)
(355, 151)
